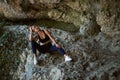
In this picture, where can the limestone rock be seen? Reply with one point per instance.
(89, 28)
(94, 58)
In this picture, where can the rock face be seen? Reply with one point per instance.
(105, 13)
(89, 28)
(94, 45)
(93, 59)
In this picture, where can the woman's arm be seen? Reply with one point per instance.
(52, 38)
(30, 35)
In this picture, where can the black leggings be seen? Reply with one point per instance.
(45, 48)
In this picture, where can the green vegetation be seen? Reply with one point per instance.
(43, 23)
(56, 24)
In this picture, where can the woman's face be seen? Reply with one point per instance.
(35, 29)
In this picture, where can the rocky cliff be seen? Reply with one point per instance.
(100, 13)
(88, 30)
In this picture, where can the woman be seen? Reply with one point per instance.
(45, 39)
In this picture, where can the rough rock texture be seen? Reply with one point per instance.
(94, 45)
(10, 48)
(104, 13)
(89, 28)
(93, 58)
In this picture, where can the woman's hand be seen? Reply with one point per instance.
(30, 28)
(52, 39)
(57, 45)
(30, 36)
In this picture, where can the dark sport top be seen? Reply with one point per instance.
(45, 39)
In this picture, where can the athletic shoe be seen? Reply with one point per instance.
(35, 60)
(67, 58)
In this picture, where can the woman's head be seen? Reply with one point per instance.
(35, 28)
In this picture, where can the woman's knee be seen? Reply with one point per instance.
(32, 43)
(61, 51)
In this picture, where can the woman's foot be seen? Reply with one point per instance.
(67, 58)
(35, 60)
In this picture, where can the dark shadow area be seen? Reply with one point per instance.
(44, 23)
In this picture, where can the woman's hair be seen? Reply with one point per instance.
(37, 27)
(33, 26)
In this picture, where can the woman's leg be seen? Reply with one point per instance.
(61, 51)
(54, 48)
(35, 46)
